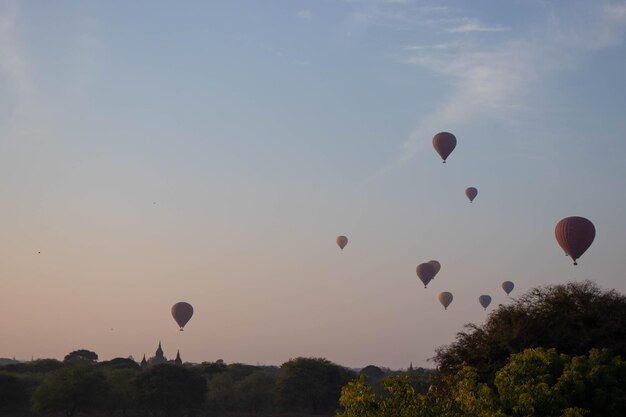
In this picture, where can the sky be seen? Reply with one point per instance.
(153, 152)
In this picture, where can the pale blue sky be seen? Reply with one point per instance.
(262, 130)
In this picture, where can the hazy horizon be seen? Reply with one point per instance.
(211, 152)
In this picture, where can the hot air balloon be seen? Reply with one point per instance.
(437, 266)
(508, 286)
(484, 301)
(444, 143)
(426, 272)
(575, 235)
(342, 241)
(182, 312)
(445, 298)
(471, 193)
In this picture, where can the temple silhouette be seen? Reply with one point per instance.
(159, 358)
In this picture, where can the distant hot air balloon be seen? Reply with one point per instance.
(484, 301)
(471, 193)
(426, 272)
(342, 241)
(437, 266)
(575, 235)
(444, 143)
(445, 298)
(182, 312)
(508, 286)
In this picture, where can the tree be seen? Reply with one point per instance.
(80, 387)
(119, 363)
(358, 399)
(573, 318)
(81, 355)
(311, 384)
(421, 379)
(528, 383)
(222, 394)
(40, 365)
(170, 388)
(256, 391)
(12, 392)
(122, 394)
(596, 383)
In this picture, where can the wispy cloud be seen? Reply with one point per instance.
(447, 45)
(13, 65)
(305, 14)
(477, 27)
(490, 81)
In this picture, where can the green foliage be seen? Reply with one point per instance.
(358, 399)
(462, 395)
(541, 382)
(312, 384)
(421, 379)
(572, 318)
(80, 387)
(256, 391)
(534, 383)
(400, 400)
(169, 388)
(222, 394)
(122, 393)
(527, 384)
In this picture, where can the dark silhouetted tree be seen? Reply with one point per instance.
(573, 318)
(80, 387)
(170, 388)
(119, 363)
(81, 355)
(40, 365)
(122, 393)
(312, 384)
(13, 393)
(256, 391)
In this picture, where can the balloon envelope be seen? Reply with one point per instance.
(444, 143)
(445, 298)
(484, 301)
(575, 235)
(471, 193)
(182, 312)
(437, 266)
(426, 272)
(508, 286)
(342, 241)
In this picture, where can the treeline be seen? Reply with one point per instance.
(554, 352)
(81, 384)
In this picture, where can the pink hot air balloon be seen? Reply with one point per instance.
(575, 235)
(445, 298)
(426, 272)
(444, 143)
(471, 193)
(182, 312)
(342, 241)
